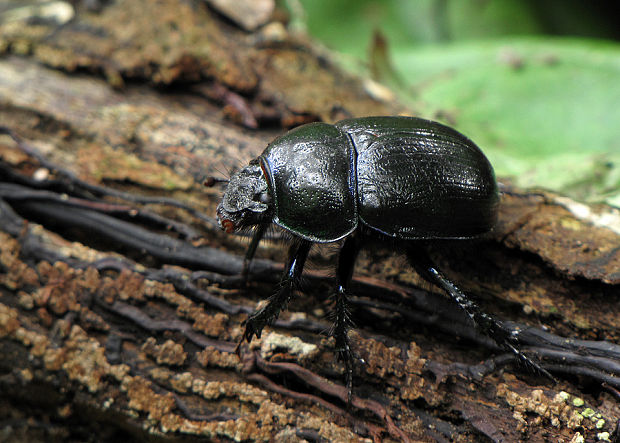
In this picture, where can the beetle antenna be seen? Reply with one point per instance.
(210, 181)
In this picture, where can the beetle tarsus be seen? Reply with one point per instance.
(340, 330)
(266, 315)
(531, 365)
(486, 324)
(347, 358)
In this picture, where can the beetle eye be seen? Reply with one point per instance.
(264, 197)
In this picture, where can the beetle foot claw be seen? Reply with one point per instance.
(253, 328)
(238, 347)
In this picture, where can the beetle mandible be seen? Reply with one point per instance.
(402, 178)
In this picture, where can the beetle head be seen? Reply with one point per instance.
(246, 200)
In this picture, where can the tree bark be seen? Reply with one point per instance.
(121, 302)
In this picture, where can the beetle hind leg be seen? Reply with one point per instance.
(503, 336)
(298, 252)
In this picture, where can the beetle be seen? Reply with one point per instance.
(401, 179)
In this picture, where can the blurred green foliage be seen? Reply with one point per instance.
(546, 109)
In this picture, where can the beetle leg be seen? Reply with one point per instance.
(298, 252)
(342, 318)
(486, 324)
(259, 232)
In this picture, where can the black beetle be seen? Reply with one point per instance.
(400, 178)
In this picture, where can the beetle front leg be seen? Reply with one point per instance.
(298, 252)
(342, 318)
(486, 324)
(259, 232)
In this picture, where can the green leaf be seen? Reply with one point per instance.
(546, 111)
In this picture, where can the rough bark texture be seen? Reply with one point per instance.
(120, 301)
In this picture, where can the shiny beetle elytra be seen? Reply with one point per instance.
(400, 178)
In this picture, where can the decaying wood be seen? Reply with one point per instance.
(121, 302)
